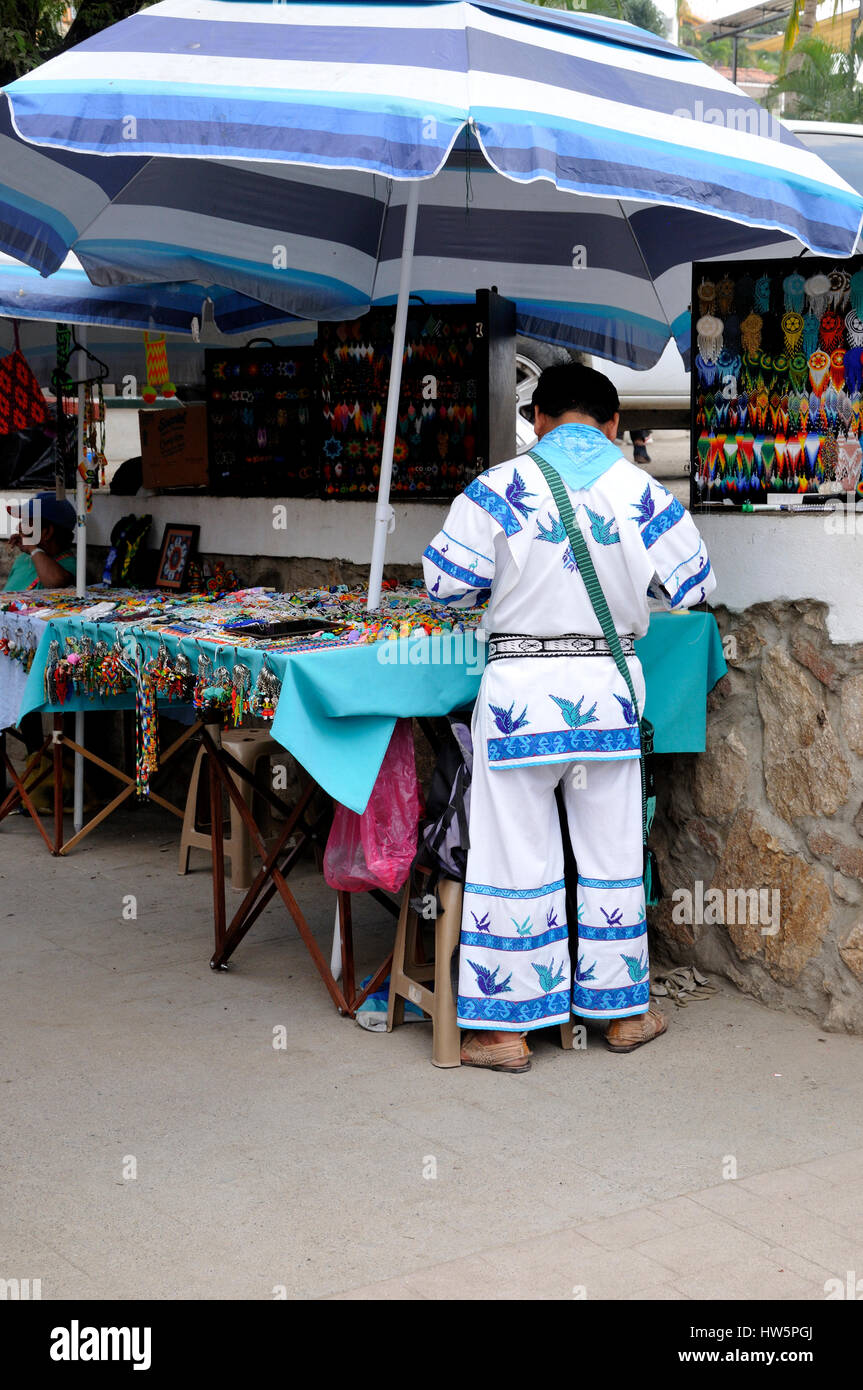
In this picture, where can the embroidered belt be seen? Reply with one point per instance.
(508, 644)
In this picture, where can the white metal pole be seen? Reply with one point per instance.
(384, 515)
(80, 496)
(80, 581)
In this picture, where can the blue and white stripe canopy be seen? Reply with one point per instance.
(267, 147)
(69, 296)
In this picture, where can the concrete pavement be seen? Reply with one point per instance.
(155, 1142)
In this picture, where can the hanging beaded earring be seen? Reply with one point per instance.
(709, 334)
(750, 332)
(706, 296)
(817, 289)
(793, 291)
(792, 330)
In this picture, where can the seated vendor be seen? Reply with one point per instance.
(42, 545)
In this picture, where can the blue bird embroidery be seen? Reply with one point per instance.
(615, 919)
(601, 530)
(570, 564)
(636, 967)
(435, 586)
(444, 549)
(644, 508)
(481, 923)
(626, 706)
(504, 720)
(487, 980)
(516, 492)
(583, 975)
(555, 533)
(523, 928)
(572, 713)
(551, 918)
(547, 978)
(472, 566)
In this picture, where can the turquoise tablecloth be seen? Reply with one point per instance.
(338, 708)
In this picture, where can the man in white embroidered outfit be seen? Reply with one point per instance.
(554, 708)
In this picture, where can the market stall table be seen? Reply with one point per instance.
(339, 695)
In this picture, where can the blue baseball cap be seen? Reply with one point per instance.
(51, 509)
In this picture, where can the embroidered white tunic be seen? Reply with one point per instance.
(504, 535)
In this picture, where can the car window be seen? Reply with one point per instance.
(844, 153)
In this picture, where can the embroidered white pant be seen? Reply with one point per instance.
(514, 964)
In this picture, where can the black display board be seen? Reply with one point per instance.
(777, 370)
(262, 421)
(457, 408)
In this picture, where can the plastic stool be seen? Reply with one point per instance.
(408, 973)
(249, 747)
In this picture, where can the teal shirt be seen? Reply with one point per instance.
(23, 573)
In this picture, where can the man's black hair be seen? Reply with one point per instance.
(572, 386)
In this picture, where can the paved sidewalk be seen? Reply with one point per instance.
(156, 1144)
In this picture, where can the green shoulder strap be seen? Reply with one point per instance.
(597, 598)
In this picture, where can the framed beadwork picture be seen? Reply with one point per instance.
(179, 545)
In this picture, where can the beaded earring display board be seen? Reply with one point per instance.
(458, 382)
(776, 379)
(262, 421)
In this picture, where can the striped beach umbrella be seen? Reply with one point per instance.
(68, 295)
(326, 157)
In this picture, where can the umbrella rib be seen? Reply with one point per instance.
(637, 244)
(384, 215)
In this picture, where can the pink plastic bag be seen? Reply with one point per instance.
(376, 849)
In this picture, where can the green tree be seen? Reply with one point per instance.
(31, 30)
(824, 85)
(641, 12)
(29, 33)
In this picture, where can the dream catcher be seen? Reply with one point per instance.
(708, 330)
(817, 289)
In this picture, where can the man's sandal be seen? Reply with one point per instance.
(512, 1056)
(626, 1034)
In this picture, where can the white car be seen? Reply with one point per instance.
(659, 397)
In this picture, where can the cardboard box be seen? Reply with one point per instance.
(174, 446)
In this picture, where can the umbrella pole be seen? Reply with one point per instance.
(384, 515)
(80, 586)
(80, 493)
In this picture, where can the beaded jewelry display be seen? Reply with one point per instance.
(709, 334)
(855, 293)
(832, 331)
(817, 289)
(750, 332)
(793, 287)
(761, 299)
(706, 296)
(792, 331)
(840, 285)
(854, 327)
(837, 368)
(240, 686)
(266, 694)
(819, 368)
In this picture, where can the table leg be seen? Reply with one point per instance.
(346, 937)
(214, 744)
(57, 744)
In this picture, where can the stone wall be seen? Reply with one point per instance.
(775, 804)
